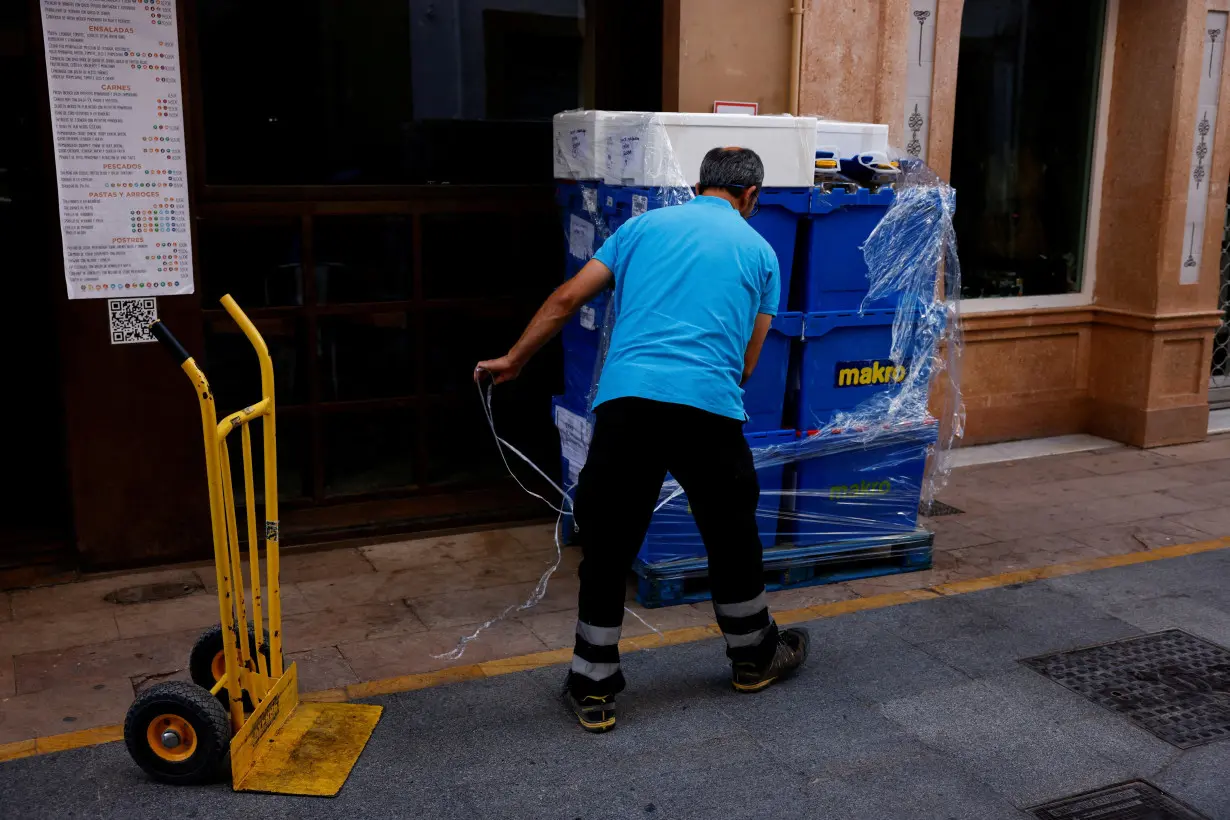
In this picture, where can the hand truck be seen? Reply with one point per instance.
(240, 699)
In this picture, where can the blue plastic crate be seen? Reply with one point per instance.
(673, 534)
(844, 489)
(622, 202)
(781, 212)
(581, 221)
(836, 274)
(764, 395)
(845, 361)
(581, 338)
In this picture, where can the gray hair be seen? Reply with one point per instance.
(734, 170)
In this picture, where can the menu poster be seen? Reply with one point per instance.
(117, 119)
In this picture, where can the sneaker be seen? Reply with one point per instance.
(789, 655)
(595, 713)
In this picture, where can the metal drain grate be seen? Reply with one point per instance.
(1170, 683)
(937, 508)
(1127, 801)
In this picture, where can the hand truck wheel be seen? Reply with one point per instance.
(206, 664)
(178, 733)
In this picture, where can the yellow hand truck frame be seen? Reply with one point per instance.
(241, 700)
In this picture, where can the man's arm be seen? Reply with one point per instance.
(759, 331)
(567, 299)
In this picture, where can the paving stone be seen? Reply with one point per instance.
(800, 598)
(348, 624)
(140, 683)
(57, 632)
(412, 654)
(1211, 449)
(8, 679)
(100, 662)
(477, 606)
(1138, 506)
(1038, 521)
(486, 545)
(952, 534)
(1111, 462)
(6, 607)
(917, 784)
(321, 669)
(1002, 742)
(195, 612)
(1175, 611)
(1198, 778)
(1043, 610)
(1216, 522)
(848, 653)
(1136, 536)
(313, 566)
(429, 579)
(64, 709)
(1025, 553)
(931, 620)
(89, 595)
(1204, 496)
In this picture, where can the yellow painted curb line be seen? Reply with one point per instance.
(538, 660)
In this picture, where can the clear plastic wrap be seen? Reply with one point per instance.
(841, 481)
(843, 476)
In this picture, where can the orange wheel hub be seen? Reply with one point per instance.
(171, 737)
(218, 666)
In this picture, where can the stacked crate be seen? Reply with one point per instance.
(825, 354)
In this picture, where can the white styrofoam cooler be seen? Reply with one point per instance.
(666, 149)
(584, 141)
(673, 145)
(849, 139)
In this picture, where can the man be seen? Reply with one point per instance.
(696, 289)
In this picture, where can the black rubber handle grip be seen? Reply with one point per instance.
(162, 334)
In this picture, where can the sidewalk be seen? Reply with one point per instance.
(921, 710)
(70, 660)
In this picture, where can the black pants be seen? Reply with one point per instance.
(635, 443)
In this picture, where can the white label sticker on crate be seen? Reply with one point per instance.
(589, 317)
(575, 433)
(580, 237)
(640, 204)
(589, 199)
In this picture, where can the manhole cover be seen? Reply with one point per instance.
(1170, 683)
(1128, 801)
(152, 592)
(937, 508)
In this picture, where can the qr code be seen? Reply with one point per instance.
(131, 318)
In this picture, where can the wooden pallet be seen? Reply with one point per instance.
(687, 581)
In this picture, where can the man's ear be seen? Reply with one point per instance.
(749, 196)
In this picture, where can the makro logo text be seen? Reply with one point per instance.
(863, 488)
(875, 371)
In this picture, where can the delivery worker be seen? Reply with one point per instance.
(695, 291)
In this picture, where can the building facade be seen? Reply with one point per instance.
(372, 182)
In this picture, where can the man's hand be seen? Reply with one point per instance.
(503, 369)
(549, 320)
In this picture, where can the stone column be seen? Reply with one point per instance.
(1155, 296)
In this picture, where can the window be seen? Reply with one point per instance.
(385, 91)
(1026, 109)
(396, 223)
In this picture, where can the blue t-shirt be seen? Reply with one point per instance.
(689, 281)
